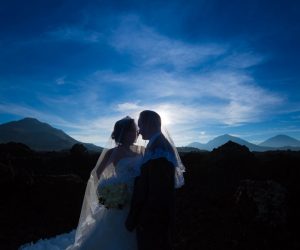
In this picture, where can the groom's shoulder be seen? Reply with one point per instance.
(162, 143)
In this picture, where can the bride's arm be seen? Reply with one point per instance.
(106, 160)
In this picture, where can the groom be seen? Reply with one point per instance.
(153, 199)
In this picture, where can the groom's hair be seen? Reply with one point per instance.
(151, 117)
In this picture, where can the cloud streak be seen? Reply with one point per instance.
(73, 33)
(151, 49)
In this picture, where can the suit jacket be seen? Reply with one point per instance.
(153, 199)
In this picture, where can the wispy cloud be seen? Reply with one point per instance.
(73, 33)
(61, 80)
(127, 106)
(241, 59)
(234, 96)
(152, 49)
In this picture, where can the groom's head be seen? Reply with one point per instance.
(149, 123)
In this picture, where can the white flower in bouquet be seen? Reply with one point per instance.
(113, 195)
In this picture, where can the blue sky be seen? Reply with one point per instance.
(208, 67)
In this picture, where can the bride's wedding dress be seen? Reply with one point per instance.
(108, 232)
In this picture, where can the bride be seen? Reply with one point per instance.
(100, 227)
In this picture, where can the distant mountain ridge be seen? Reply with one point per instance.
(221, 140)
(39, 136)
(281, 142)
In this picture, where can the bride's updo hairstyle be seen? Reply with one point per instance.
(120, 129)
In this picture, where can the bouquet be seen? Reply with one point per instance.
(113, 195)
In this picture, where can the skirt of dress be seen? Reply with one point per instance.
(110, 233)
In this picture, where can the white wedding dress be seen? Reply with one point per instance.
(109, 232)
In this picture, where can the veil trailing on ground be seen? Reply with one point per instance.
(123, 143)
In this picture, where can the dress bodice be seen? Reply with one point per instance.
(128, 167)
(123, 172)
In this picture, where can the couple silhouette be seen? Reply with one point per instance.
(152, 173)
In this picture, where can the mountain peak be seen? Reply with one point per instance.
(24, 121)
(38, 135)
(281, 137)
(29, 124)
(281, 141)
(29, 119)
(226, 136)
(231, 146)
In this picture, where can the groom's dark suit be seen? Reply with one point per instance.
(153, 201)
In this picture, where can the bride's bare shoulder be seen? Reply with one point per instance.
(111, 155)
(117, 153)
(109, 152)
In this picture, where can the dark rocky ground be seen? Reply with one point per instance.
(233, 199)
